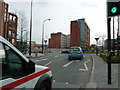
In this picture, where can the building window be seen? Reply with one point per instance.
(9, 33)
(13, 33)
(14, 18)
(10, 40)
(13, 25)
(10, 17)
(13, 40)
(9, 24)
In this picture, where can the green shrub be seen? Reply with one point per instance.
(114, 59)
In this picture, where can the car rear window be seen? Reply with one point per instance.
(74, 49)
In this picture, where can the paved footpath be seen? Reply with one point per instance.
(99, 75)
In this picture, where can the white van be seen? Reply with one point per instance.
(17, 71)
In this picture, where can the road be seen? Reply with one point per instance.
(67, 74)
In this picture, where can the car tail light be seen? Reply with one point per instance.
(68, 51)
(78, 51)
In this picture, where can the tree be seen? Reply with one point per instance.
(22, 30)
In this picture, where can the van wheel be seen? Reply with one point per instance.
(45, 86)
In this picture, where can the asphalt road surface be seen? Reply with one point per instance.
(67, 74)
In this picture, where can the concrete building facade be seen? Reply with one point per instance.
(79, 33)
(68, 41)
(59, 40)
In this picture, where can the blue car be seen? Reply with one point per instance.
(75, 53)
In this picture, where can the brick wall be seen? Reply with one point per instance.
(75, 34)
(1, 18)
(55, 41)
(87, 41)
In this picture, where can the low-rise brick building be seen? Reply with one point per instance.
(59, 40)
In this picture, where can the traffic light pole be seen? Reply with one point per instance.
(113, 9)
(109, 49)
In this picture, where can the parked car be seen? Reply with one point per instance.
(17, 71)
(75, 53)
(65, 51)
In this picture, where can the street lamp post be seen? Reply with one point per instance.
(30, 29)
(43, 34)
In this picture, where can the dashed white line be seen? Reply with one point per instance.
(61, 55)
(48, 63)
(36, 60)
(56, 56)
(86, 68)
(54, 81)
(66, 65)
(66, 83)
(44, 59)
(41, 60)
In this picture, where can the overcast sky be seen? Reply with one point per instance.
(61, 12)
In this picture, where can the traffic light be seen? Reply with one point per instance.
(113, 8)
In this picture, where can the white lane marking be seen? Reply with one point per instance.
(35, 60)
(40, 60)
(45, 59)
(54, 81)
(77, 60)
(48, 63)
(61, 55)
(86, 68)
(56, 56)
(67, 64)
(66, 83)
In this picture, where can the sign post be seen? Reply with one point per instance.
(109, 49)
(96, 45)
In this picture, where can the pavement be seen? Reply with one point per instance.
(99, 75)
(47, 52)
(34, 55)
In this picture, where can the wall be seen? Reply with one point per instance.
(75, 34)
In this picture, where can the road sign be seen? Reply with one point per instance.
(96, 39)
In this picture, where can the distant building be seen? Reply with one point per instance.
(3, 18)
(93, 47)
(79, 34)
(59, 40)
(116, 43)
(33, 44)
(11, 34)
(8, 23)
(68, 41)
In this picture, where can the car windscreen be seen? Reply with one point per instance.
(74, 49)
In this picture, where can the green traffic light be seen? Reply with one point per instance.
(114, 10)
